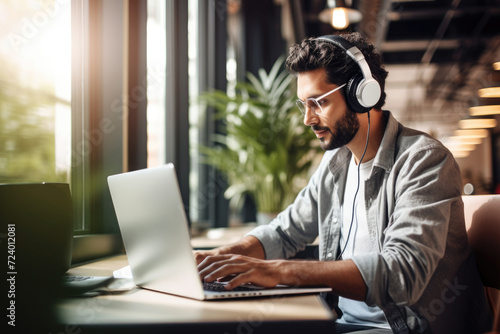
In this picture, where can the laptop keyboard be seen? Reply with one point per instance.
(214, 286)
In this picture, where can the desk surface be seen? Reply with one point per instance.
(221, 236)
(141, 307)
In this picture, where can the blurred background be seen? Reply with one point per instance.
(90, 88)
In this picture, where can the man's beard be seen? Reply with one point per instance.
(345, 130)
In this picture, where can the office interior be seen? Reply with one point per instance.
(92, 88)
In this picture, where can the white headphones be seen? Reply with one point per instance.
(362, 90)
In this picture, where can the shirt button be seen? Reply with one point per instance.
(329, 255)
(335, 220)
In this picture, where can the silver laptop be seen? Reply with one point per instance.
(156, 238)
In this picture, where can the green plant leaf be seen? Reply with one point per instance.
(266, 151)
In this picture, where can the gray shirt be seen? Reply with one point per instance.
(424, 275)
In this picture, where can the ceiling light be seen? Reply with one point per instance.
(473, 133)
(477, 123)
(460, 147)
(466, 140)
(460, 154)
(489, 92)
(484, 110)
(338, 15)
(496, 66)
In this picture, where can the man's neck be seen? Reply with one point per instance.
(377, 129)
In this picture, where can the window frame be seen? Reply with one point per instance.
(109, 115)
(107, 49)
(177, 94)
(211, 62)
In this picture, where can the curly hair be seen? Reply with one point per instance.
(312, 54)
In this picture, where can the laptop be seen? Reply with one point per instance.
(156, 238)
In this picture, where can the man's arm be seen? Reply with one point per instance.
(248, 246)
(343, 277)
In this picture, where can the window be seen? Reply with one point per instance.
(194, 113)
(35, 91)
(94, 88)
(156, 82)
(207, 70)
(110, 107)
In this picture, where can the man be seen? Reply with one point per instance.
(385, 202)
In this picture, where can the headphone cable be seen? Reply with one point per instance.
(357, 188)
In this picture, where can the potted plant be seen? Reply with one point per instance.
(266, 151)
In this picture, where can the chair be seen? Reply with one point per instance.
(482, 220)
(496, 321)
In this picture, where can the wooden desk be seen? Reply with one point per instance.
(148, 311)
(216, 237)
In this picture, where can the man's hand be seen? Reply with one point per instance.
(243, 262)
(199, 256)
(342, 276)
(240, 269)
(249, 246)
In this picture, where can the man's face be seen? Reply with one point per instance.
(336, 126)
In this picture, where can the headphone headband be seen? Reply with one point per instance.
(365, 91)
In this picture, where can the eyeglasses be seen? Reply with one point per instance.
(314, 104)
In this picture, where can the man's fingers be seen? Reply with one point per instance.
(199, 257)
(220, 269)
(239, 270)
(227, 278)
(210, 259)
(238, 280)
(252, 276)
(210, 264)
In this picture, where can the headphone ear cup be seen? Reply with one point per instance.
(351, 99)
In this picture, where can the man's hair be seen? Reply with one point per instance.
(312, 54)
